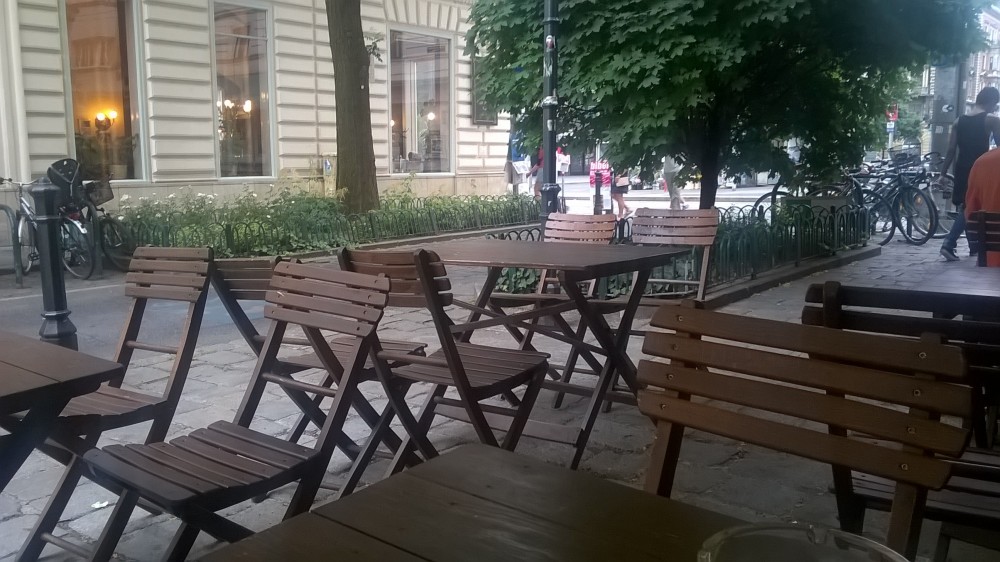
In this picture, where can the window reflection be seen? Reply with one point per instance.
(102, 80)
(420, 96)
(241, 98)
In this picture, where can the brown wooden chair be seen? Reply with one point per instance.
(226, 463)
(881, 387)
(969, 505)
(171, 274)
(983, 231)
(665, 227)
(247, 280)
(477, 372)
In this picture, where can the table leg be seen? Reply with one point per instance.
(615, 344)
(30, 431)
(492, 276)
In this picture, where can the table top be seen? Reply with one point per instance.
(484, 504)
(964, 278)
(31, 370)
(595, 260)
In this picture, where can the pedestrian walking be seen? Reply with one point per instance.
(984, 192)
(619, 187)
(970, 139)
(670, 169)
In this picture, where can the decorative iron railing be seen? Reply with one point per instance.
(398, 219)
(750, 241)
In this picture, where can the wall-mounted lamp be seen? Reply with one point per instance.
(104, 120)
(431, 116)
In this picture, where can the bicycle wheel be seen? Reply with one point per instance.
(881, 226)
(918, 217)
(826, 191)
(947, 211)
(116, 241)
(769, 200)
(26, 237)
(77, 251)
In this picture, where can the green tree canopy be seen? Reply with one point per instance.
(717, 84)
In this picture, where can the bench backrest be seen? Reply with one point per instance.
(667, 227)
(575, 229)
(244, 279)
(983, 231)
(799, 389)
(400, 267)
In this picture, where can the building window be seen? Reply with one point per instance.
(420, 97)
(241, 75)
(103, 85)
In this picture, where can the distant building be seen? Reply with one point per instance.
(219, 94)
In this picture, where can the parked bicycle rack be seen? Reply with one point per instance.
(15, 244)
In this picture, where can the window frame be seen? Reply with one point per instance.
(137, 81)
(272, 126)
(453, 103)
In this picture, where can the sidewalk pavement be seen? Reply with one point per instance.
(744, 481)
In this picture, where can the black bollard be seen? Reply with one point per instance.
(598, 198)
(56, 325)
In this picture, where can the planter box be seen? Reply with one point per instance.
(822, 202)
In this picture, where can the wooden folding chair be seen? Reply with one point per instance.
(665, 227)
(983, 232)
(882, 388)
(170, 274)
(226, 463)
(247, 280)
(477, 372)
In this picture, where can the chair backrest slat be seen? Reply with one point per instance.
(675, 227)
(326, 299)
(580, 229)
(983, 232)
(406, 289)
(878, 386)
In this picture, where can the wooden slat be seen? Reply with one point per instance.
(648, 230)
(908, 299)
(202, 449)
(872, 459)
(348, 278)
(173, 280)
(675, 222)
(906, 325)
(245, 449)
(570, 218)
(249, 295)
(379, 257)
(828, 375)
(151, 347)
(164, 293)
(185, 456)
(575, 236)
(328, 290)
(136, 264)
(199, 470)
(318, 320)
(871, 419)
(153, 252)
(367, 314)
(156, 470)
(249, 284)
(160, 491)
(881, 352)
(264, 440)
(248, 273)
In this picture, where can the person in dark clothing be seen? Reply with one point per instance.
(970, 139)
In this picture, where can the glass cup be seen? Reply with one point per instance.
(792, 542)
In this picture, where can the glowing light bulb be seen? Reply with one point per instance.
(113, 114)
(431, 116)
(392, 122)
(100, 117)
(247, 106)
(229, 104)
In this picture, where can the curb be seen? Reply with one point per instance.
(785, 274)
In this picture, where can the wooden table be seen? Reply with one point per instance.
(40, 378)
(575, 263)
(483, 504)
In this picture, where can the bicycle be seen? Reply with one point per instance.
(76, 249)
(117, 244)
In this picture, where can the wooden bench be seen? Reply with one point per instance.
(969, 506)
(876, 385)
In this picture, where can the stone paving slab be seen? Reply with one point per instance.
(716, 473)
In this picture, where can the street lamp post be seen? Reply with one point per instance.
(550, 106)
(56, 325)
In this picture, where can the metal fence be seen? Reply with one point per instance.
(750, 241)
(411, 218)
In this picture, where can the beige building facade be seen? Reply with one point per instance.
(222, 95)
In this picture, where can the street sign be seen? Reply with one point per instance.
(890, 126)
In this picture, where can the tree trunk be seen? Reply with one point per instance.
(709, 187)
(355, 152)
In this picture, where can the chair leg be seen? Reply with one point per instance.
(570, 365)
(181, 544)
(593, 409)
(416, 429)
(367, 452)
(33, 546)
(941, 549)
(521, 418)
(115, 526)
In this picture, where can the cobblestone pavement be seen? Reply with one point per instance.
(718, 474)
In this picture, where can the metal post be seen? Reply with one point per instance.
(550, 106)
(598, 198)
(56, 325)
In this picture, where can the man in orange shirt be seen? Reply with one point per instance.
(984, 191)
